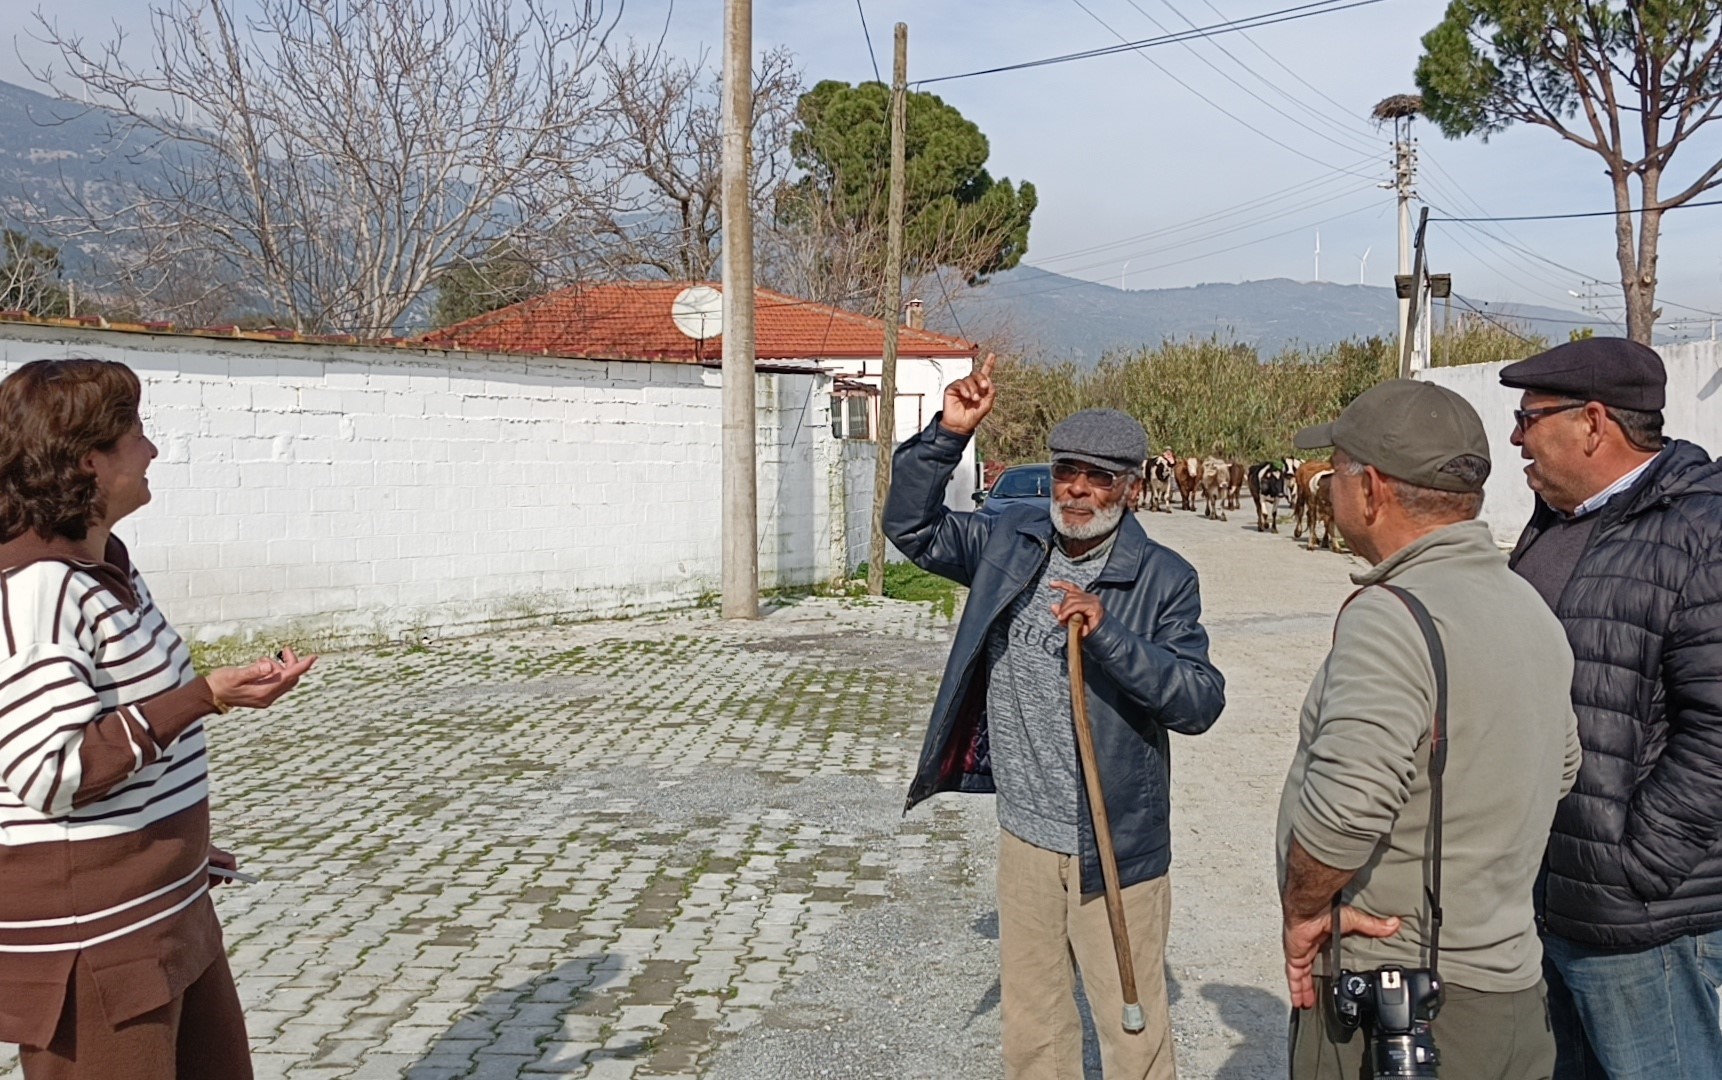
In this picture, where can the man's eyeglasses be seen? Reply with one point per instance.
(1524, 418)
(1065, 472)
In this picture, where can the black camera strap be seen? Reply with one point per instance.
(1437, 762)
(1437, 766)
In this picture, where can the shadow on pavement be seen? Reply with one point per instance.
(1261, 1018)
(518, 1025)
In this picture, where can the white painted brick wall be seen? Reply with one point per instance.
(355, 491)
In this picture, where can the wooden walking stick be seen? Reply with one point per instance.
(1133, 1019)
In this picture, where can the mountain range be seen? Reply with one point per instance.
(1072, 319)
(50, 149)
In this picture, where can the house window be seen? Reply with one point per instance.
(850, 417)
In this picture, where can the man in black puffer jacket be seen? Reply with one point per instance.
(1626, 547)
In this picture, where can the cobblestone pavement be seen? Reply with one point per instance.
(674, 847)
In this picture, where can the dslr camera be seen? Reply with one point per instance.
(1394, 1006)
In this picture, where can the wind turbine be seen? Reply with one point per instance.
(1363, 263)
(1318, 256)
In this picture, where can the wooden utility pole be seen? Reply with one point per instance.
(886, 436)
(1409, 344)
(740, 574)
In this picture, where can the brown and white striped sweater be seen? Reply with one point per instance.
(104, 785)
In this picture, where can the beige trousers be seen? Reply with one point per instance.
(1045, 923)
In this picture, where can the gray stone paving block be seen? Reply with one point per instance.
(383, 1066)
(627, 817)
(562, 1058)
(501, 1067)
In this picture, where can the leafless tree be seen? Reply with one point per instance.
(666, 129)
(330, 158)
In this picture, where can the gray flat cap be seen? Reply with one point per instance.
(1104, 437)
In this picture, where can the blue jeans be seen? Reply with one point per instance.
(1649, 1014)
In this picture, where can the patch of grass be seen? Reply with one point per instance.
(906, 581)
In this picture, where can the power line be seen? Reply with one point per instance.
(1252, 22)
(1587, 214)
(1137, 49)
(1351, 140)
(1350, 146)
(868, 34)
(1307, 186)
(1202, 238)
(1343, 109)
(1494, 321)
(1561, 266)
(1002, 295)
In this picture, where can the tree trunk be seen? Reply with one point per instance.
(1626, 254)
(1641, 309)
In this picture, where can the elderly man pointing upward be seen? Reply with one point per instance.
(1003, 721)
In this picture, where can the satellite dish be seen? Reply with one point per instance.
(698, 312)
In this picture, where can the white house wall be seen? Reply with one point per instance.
(920, 395)
(348, 492)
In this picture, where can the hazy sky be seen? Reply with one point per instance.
(1141, 143)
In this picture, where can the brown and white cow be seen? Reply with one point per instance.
(1216, 475)
(1157, 482)
(1289, 467)
(1235, 479)
(1315, 502)
(1188, 476)
(1267, 483)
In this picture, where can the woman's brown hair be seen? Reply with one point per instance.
(53, 415)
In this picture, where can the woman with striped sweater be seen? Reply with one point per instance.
(111, 960)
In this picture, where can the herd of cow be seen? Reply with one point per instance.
(1220, 485)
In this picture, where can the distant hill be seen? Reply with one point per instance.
(50, 149)
(1081, 320)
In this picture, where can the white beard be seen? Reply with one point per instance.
(1103, 522)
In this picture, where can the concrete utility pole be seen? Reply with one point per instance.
(1405, 187)
(886, 436)
(740, 576)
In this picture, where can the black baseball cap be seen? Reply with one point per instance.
(1614, 371)
(1409, 430)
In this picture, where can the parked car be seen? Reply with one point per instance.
(1020, 485)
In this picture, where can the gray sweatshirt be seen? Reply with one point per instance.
(1031, 731)
(1357, 795)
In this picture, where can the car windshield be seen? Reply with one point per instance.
(1024, 483)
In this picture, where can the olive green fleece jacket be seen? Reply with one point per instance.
(1357, 795)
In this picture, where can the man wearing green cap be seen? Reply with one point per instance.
(1355, 817)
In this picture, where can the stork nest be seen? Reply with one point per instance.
(1397, 107)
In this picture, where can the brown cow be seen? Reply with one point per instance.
(1187, 474)
(1315, 503)
(1302, 484)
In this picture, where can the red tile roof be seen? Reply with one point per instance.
(631, 321)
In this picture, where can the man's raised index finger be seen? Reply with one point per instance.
(987, 365)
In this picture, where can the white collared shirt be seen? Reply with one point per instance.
(1597, 501)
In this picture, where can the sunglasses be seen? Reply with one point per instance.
(1065, 472)
(1524, 418)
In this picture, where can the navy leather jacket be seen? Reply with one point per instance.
(1146, 663)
